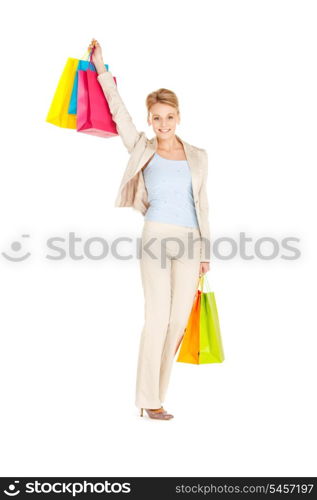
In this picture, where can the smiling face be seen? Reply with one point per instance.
(164, 119)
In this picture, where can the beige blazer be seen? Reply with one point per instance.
(132, 191)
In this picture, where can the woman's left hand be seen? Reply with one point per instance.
(204, 267)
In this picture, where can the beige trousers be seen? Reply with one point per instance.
(170, 261)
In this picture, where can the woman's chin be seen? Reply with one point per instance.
(165, 135)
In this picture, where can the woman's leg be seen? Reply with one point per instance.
(156, 281)
(184, 282)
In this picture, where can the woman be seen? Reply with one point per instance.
(165, 180)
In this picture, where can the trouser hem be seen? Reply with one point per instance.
(148, 404)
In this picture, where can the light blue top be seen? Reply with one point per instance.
(170, 192)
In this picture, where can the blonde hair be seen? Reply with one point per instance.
(163, 96)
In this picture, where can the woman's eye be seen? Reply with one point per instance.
(157, 118)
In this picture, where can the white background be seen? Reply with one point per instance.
(245, 74)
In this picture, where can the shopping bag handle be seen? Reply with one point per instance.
(201, 282)
(88, 56)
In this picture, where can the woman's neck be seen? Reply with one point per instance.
(169, 144)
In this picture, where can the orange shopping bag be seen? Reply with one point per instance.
(189, 352)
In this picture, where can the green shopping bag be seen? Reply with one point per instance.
(211, 348)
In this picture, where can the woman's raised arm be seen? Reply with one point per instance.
(125, 126)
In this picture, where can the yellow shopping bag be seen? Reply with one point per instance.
(58, 113)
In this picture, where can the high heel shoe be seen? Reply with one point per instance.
(159, 413)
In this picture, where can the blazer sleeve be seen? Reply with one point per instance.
(125, 126)
(204, 207)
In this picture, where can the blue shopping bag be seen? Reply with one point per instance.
(82, 65)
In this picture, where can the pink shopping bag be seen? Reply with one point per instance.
(93, 113)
